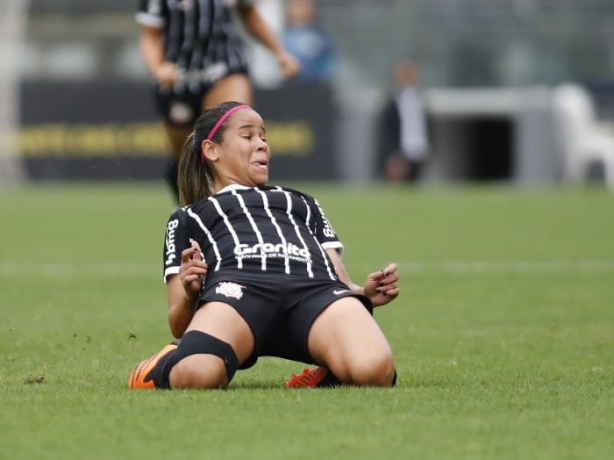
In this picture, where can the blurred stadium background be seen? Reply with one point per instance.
(76, 104)
(503, 336)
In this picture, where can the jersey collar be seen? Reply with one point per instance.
(231, 187)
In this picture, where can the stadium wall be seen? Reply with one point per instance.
(107, 130)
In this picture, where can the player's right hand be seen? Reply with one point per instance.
(193, 269)
(166, 74)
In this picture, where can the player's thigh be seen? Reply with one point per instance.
(176, 136)
(346, 333)
(224, 322)
(235, 87)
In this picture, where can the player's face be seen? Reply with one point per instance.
(245, 155)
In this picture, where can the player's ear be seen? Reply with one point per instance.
(210, 150)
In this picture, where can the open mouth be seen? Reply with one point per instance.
(261, 164)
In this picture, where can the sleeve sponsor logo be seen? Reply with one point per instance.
(171, 254)
(328, 228)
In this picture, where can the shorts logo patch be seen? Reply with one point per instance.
(232, 290)
(340, 291)
(180, 112)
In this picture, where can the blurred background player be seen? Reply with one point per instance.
(308, 41)
(196, 58)
(403, 127)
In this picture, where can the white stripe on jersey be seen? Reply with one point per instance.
(233, 58)
(253, 224)
(230, 228)
(209, 236)
(149, 20)
(216, 29)
(203, 27)
(173, 47)
(265, 201)
(298, 232)
(322, 251)
(308, 218)
(189, 38)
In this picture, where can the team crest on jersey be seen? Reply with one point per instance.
(229, 289)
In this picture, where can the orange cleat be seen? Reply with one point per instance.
(310, 378)
(139, 375)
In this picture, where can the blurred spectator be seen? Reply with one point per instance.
(305, 38)
(402, 130)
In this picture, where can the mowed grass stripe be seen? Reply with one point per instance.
(453, 266)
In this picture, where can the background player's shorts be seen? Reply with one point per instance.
(181, 108)
(279, 309)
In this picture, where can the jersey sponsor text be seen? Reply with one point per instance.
(272, 250)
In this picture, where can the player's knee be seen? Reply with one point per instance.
(199, 372)
(202, 361)
(374, 369)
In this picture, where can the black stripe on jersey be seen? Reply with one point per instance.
(173, 36)
(230, 228)
(265, 201)
(209, 237)
(190, 28)
(205, 23)
(324, 255)
(296, 229)
(253, 224)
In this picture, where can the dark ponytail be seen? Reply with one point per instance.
(196, 175)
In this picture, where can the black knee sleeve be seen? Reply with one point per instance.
(194, 343)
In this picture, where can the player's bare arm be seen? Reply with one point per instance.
(153, 54)
(288, 64)
(183, 289)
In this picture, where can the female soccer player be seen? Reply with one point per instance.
(262, 273)
(197, 59)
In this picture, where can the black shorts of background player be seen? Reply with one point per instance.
(263, 275)
(196, 59)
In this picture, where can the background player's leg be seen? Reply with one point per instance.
(236, 87)
(346, 339)
(176, 137)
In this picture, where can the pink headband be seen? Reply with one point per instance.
(219, 123)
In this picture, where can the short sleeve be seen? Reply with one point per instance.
(152, 13)
(323, 230)
(175, 241)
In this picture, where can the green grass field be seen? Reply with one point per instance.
(503, 334)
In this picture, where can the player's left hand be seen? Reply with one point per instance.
(382, 287)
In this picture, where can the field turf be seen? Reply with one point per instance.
(503, 334)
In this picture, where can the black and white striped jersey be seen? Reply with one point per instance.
(198, 35)
(254, 229)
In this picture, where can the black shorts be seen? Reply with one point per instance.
(279, 309)
(182, 105)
